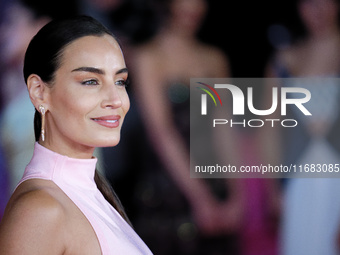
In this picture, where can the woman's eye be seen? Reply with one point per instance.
(90, 82)
(123, 83)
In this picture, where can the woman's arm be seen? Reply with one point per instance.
(165, 138)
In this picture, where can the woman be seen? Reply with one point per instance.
(164, 66)
(311, 205)
(76, 76)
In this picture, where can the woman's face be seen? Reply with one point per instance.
(319, 15)
(88, 100)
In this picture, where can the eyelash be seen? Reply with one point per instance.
(90, 82)
(123, 83)
(94, 82)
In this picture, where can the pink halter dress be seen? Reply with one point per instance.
(75, 177)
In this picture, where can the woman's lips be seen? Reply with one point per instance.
(111, 121)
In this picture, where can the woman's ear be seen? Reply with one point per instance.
(37, 90)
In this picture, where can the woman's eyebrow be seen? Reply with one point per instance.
(89, 69)
(123, 70)
(97, 70)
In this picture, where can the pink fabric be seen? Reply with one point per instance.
(75, 177)
(258, 236)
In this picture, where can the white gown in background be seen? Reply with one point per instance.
(312, 205)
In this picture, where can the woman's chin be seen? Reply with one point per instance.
(109, 142)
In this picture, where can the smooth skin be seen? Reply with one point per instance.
(89, 85)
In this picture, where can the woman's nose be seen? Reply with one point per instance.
(112, 97)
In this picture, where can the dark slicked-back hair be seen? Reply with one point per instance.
(43, 55)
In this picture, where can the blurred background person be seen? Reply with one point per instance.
(21, 21)
(180, 210)
(4, 179)
(311, 210)
(16, 129)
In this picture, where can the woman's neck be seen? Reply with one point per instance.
(175, 38)
(329, 35)
(80, 151)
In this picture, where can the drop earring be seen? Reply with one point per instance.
(42, 111)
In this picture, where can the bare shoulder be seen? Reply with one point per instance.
(290, 56)
(33, 221)
(216, 58)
